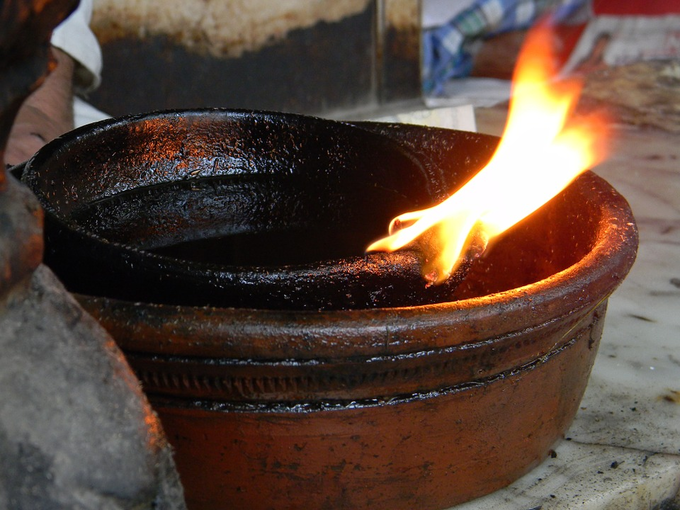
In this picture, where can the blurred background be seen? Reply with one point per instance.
(349, 58)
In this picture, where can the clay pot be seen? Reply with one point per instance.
(393, 405)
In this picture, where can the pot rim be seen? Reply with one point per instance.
(275, 334)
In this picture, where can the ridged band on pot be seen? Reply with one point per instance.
(428, 451)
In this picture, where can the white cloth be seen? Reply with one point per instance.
(84, 113)
(74, 36)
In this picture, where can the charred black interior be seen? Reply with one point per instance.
(263, 210)
(248, 220)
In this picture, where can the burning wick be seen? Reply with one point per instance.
(541, 152)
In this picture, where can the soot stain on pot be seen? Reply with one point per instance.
(291, 198)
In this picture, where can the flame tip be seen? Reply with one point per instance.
(544, 143)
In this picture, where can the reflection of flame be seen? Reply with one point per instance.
(540, 153)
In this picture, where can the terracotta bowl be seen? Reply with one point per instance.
(390, 406)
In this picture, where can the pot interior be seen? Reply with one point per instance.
(240, 220)
(260, 210)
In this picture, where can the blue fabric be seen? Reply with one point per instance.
(447, 50)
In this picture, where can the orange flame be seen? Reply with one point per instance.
(541, 151)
